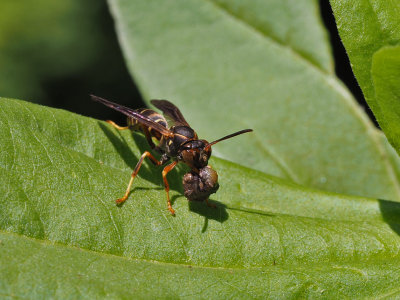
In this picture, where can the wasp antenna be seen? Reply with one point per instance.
(227, 137)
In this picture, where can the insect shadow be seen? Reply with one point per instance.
(153, 174)
(217, 213)
(130, 158)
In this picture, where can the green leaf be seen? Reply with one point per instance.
(368, 29)
(235, 64)
(61, 234)
(35, 269)
(386, 76)
(285, 23)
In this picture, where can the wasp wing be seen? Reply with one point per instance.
(134, 114)
(171, 111)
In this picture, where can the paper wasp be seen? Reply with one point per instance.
(178, 142)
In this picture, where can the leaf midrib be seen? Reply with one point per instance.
(270, 268)
(267, 35)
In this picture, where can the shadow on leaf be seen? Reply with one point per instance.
(391, 214)
(218, 213)
(252, 211)
(148, 171)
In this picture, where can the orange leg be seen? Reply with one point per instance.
(116, 126)
(148, 137)
(136, 171)
(166, 170)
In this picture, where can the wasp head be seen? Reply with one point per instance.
(195, 154)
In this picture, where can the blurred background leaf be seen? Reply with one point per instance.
(58, 52)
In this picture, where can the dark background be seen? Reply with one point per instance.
(66, 80)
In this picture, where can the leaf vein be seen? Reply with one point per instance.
(267, 35)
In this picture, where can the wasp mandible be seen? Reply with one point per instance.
(178, 142)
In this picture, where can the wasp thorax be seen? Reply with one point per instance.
(198, 187)
(182, 135)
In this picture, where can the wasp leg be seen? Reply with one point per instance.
(210, 204)
(116, 126)
(136, 170)
(148, 137)
(147, 134)
(166, 170)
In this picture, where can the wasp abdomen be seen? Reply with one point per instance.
(152, 115)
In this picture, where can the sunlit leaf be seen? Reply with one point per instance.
(61, 234)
